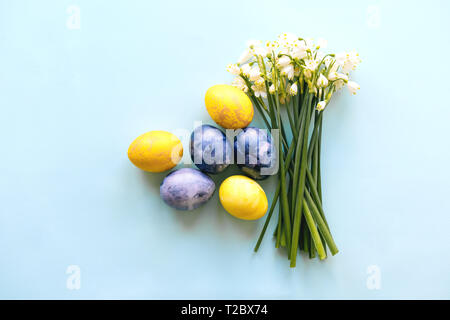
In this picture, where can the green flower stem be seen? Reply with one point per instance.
(284, 199)
(315, 195)
(314, 233)
(258, 107)
(301, 189)
(272, 207)
(319, 178)
(278, 230)
(295, 112)
(323, 228)
(297, 161)
(312, 248)
(299, 145)
(305, 236)
(315, 136)
(291, 121)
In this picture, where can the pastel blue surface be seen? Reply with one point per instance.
(72, 100)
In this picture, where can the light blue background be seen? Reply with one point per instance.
(73, 100)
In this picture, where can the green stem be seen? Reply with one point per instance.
(301, 188)
(269, 216)
(314, 233)
(323, 228)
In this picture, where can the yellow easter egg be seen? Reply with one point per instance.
(156, 151)
(243, 198)
(228, 106)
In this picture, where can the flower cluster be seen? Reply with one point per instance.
(289, 65)
(293, 73)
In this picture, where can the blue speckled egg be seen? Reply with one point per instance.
(255, 153)
(186, 189)
(210, 149)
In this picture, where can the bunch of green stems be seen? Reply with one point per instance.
(301, 219)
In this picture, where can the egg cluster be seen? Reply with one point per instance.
(212, 153)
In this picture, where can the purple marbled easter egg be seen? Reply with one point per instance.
(186, 189)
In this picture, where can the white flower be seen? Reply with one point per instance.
(340, 58)
(321, 105)
(311, 64)
(234, 69)
(284, 61)
(245, 56)
(348, 60)
(239, 83)
(287, 39)
(310, 67)
(259, 90)
(299, 51)
(260, 51)
(246, 69)
(272, 89)
(288, 71)
(322, 81)
(254, 73)
(293, 89)
(335, 76)
(352, 87)
(339, 84)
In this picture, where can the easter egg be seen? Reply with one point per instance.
(228, 106)
(210, 149)
(243, 198)
(186, 189)
(255, 153)
(155, 151)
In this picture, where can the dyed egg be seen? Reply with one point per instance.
(243, 198)
(255, 153)
(210, 149)
(228, 106)
(155, 151)
(186, 189)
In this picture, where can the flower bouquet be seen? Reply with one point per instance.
(291, 82)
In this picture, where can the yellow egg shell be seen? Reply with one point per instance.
(228, 106)
(243, 198)
(155, 151)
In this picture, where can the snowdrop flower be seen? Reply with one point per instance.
(234, 69)
(311, 64)
(284, 61)
(310, 67)
(352, 87)
(322, 81)
(321, 105)
(339, 84)
(259, 90)
(246, 70)
(245, 56)
(272, 89)
(239, 83)
(348, 61)
(287, 39)
(299, 52)
(260, 51)
(254, 73)
(333, 76)
(288, 71)
(293, 89)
